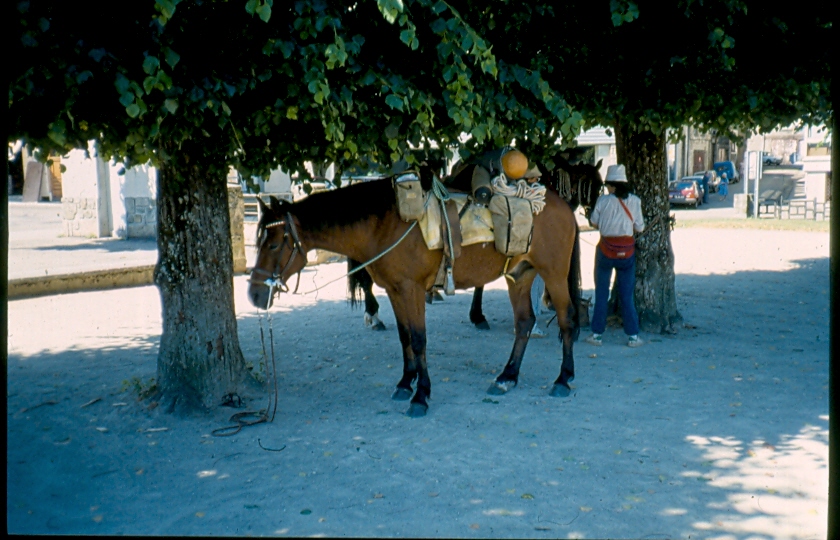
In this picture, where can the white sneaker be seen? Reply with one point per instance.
(595, 339)
(635, 341)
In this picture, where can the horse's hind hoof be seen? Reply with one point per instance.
(416, 410)
(378, 326)
(483, 325)
(401, 394)
(560, 390)
(500, 388)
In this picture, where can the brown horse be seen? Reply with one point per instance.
(581, 187)
(362, 221)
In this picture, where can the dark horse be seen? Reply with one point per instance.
(580, 186)
(362, 221)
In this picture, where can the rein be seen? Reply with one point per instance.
(362, 266)
(274, 281)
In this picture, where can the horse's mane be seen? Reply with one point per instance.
(337, 208)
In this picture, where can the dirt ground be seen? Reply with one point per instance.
(720, 431)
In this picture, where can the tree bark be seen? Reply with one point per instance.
(643, 155)
(200, 360)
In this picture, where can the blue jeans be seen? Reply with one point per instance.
(537, 288)
(625, 270)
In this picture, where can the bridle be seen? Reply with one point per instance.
(274, 280)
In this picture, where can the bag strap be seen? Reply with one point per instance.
(626, 211)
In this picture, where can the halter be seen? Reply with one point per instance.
(290, 235)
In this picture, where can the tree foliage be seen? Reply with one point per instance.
(729, 65)
(270, 84)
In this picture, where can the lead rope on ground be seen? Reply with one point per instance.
(261, 415)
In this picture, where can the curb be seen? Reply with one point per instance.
(85, 281)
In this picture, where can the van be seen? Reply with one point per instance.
(729, 168)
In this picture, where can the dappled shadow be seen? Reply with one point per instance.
(719, 431)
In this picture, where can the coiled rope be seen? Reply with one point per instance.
(535, 193)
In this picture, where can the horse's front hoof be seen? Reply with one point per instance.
(483, 325)
(416, 410)
(378, 326)
(499, 388)
(401, 394)
(560, 390)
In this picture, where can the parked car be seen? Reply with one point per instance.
(687, 191)
(729, 168)
(767, 159)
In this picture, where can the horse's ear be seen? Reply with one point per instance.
(261, 204)
(275, 203)
(598, 165)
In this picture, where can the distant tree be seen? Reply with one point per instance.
(198, 86)
(643, 68)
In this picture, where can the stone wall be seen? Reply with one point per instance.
(236, 207)
(141, 217)
(80, 216)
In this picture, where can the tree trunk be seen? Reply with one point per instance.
(643, 155)
(200, 361)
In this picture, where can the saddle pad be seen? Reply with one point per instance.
(476, 223)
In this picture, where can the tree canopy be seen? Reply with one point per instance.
(733, 66)
(269, 84)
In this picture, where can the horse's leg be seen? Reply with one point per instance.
(404, 390)
(476, 315)
(371, 307)
(563, 305)
(524, 319)
(410, 311)
(361, 279)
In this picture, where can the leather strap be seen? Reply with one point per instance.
(626, 211)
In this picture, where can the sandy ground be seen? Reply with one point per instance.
(718, 432)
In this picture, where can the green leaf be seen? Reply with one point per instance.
(407, 36)
(97, 54)
(133, 110)
(264, 11)
(171, 105)
(126, 98)
(390, 9)
(122, 83)
(394, 101)
(292, 113)
(251, 6)
(172, 58)
(166, 8)
(150, 64)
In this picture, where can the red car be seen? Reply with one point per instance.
(687, 191)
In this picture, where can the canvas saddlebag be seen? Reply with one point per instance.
(411, 199)
(513, 224)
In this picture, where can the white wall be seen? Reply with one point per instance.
(79, 180)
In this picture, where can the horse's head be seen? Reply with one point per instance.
(585, 184)
(280, 253)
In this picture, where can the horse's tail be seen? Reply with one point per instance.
(357, 282)
(574, 283)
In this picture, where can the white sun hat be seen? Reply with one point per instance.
(615, 173)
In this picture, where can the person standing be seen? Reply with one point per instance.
(723, 189)
(617, 216)
(706, 181)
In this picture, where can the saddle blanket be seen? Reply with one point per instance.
(476, 223)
